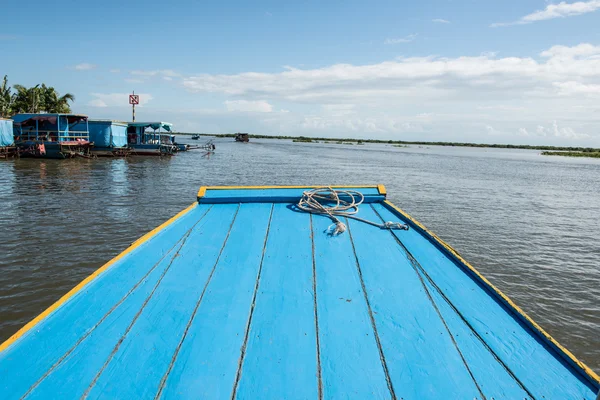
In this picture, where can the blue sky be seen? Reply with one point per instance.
(509, 71)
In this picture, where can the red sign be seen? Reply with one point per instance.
(134, 99)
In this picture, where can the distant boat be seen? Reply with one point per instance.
(242, 137)
(195, 137)
(241, 295)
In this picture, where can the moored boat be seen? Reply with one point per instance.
(242, 137)
(52, 135)
(109, 137)
(195, 137)
(179, 146)
(150, 138)
(7, 141)
(244, 294)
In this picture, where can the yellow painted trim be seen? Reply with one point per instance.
(203, 189)
(284, 187)
(591, 374)
(90, 278)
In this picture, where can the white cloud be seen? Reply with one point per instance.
(160, 72)
(440, 21)
(523, 132)
(130, 80)
(560, 10)
(97, 103)
(559, 132)
(84, 67)
(115, 71)
(339, 110)
(427, 97)
(167, 78)
(571, 88)
(405, 39)
(248, 106)
(421, 76)
(116, 99)
(490, 54)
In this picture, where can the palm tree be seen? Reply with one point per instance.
(27, 100)
(6, 98)
(54, 103)
(39, 98)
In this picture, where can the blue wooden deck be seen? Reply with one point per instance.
(241, 296)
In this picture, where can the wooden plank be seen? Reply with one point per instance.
(289, 195)
(143, 355)
(422, 359)
(281, 354)
(493, 378)
(61, 330)
(510, 340)
(141, 329)
(208, 359)
(350, 362)
(73, 374)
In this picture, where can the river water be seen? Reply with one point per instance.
(528, 222)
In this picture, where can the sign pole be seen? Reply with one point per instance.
(133, 100)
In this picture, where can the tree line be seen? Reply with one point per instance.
(36, 99)
(404, 142)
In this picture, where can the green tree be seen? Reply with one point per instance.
(53, 102)
(6, 98)
(27, 100)
(40, 98)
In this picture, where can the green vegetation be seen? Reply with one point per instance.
(303, 139)
(39, 98)
(405, 143)
(595, 153)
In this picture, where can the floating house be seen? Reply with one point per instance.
(52, 135)
(108, 137)
(7, 141)
(243, 295)
(150, 138)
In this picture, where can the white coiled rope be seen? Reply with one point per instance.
(314, 200)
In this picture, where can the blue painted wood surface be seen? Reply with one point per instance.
(350, 362)
(290, 195)
(281, 353)
(255, 300)
(207, 362)
(412, 334)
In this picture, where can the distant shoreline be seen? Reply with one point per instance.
(592, 153)
(547, 150)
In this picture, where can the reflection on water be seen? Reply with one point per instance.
(528, 222)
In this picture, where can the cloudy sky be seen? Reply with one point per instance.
(511, 71)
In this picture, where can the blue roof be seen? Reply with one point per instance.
(241, 295)
(154, 125)
(25, 116)
(107, 122)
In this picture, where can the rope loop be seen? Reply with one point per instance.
(339, 203)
